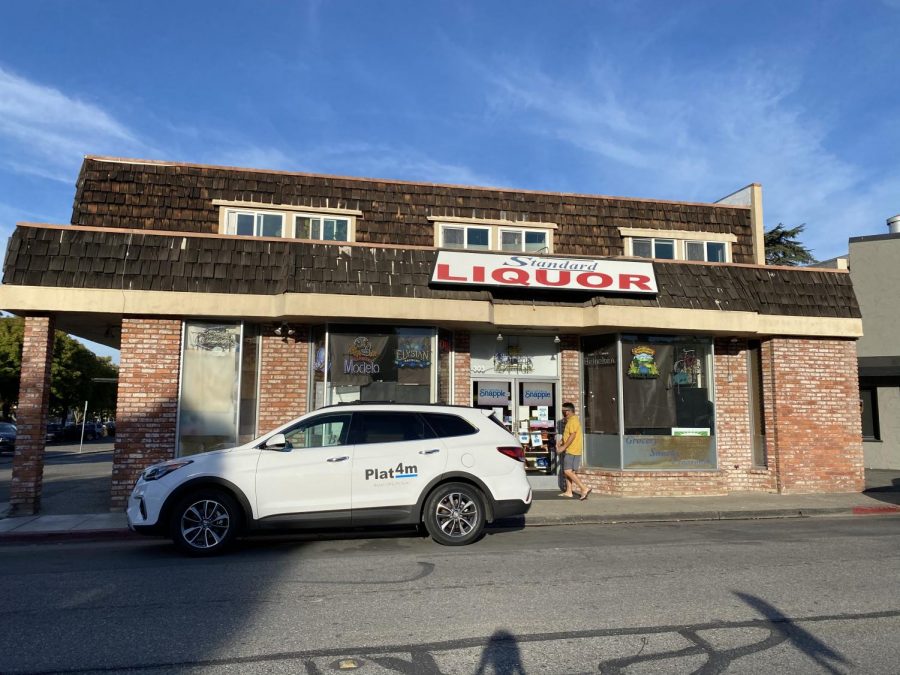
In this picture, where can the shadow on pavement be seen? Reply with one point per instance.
(883, 485)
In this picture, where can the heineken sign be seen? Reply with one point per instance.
(525, 271)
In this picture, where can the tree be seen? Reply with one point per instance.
(72, 373)
(11, 331)
(784, 248)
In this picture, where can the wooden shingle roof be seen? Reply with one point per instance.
(71, 257)
(179, 198)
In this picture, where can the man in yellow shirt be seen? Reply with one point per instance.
(573, 445)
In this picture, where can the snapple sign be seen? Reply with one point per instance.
(524, 271)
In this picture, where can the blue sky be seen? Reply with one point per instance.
(684, 100)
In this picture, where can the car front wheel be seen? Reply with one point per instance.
(455, 514)
(205, 522)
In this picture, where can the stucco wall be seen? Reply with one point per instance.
(885, 453)
(875, 271)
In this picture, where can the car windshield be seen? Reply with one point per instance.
(7, 427)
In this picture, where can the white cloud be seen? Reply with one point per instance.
(698, 135)
(45, 132)
(361, 159)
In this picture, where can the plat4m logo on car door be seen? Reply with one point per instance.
(395, 455)
(400, 471)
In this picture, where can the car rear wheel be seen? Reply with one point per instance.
(455, 514)
(205, 522)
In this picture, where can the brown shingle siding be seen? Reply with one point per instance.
(48, 256)
(179, 198)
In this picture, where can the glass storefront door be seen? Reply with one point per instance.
(529, 408)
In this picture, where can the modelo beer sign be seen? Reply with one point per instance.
(523, 271)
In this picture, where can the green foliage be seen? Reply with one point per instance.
(10, 363)
(784, 248)
(72, 372)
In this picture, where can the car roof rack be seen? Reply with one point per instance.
(389, 403)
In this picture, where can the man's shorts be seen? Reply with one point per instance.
(572, 462)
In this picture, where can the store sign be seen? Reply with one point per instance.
(413, 351)
(493, 393)
(537, 393)
(524, 271)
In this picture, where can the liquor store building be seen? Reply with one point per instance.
(242, 298)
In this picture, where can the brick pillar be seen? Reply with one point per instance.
(768, 365)
(147, 405)
(462, 368)
(734, 435)
(816, 420)
(284, 377)
(570, 380)
(31, 415)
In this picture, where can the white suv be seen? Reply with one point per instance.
(452, 468)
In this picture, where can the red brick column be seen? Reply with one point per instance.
(816, 419)
(31, 415)
(284, 377)
(462, 368)
(570, 377)
(147, 404)
(734, 441)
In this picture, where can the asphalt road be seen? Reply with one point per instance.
(73, 483)
(798, 596)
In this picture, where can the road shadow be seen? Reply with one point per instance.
(501, 655)
(883, 485)
(780, 629)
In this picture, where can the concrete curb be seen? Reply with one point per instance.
(519, 522)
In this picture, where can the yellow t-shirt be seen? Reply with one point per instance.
(573, 426)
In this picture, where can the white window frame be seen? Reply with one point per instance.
(523, 231)
(495, 229)
(322, 218)
(228, 212)
(681, 238)
(466, 229)
(232, 217)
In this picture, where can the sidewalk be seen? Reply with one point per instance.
(882, 498)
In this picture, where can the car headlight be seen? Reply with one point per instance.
(157, 471)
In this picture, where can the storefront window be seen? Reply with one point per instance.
(668, 402)
(601, 408)
(380, 364)
(217, 406)
(514, 356)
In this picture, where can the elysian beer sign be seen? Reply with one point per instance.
(524, 271)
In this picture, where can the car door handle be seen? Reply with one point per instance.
(429, 452)
(338, 459)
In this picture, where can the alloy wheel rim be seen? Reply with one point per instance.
(205, 523)
(456, 514)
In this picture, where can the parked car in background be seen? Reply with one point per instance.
(53, 433)
(110, 426)
(7, 437)
(71, 433)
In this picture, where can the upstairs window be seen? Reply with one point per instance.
(529, 241)
(709, 251)
(321, 227)
(678, 244)
(462, 237)
(244, 219)
(250, 224)
(663, 249)
(494, 236)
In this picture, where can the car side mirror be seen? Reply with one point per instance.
(278, 442)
